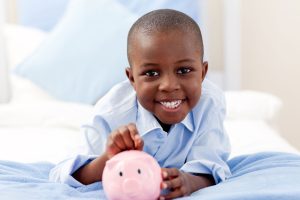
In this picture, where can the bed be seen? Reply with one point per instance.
(40, 127)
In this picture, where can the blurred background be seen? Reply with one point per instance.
(249, 44)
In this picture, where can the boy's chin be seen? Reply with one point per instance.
(171, 121)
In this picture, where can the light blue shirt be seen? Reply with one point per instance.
(198, 144)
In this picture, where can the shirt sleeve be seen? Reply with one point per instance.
(63, 171)
(94, 137)
(211, 148)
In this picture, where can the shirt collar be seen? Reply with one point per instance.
(146, 122)
(188, 122)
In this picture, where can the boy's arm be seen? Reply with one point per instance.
(85, 153)
(182, 184)
(92, 172)
(124, 138)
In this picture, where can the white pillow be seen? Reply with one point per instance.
(247, 104)
(85, 54)
(49, 114)
(20, 42)
(24, 91)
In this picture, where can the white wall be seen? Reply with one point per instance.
(271, 56)
(11, 14)
(4, 83)
(257, 42)
(211, 25)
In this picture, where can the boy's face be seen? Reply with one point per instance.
(167, 72)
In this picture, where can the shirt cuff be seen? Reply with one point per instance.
(219, 172)
(63, 171)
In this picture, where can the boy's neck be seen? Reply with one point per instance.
(165, 127)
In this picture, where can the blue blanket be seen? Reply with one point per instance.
(257, 176)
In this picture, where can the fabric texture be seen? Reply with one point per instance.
(140, 7)
(261, 176)
(85, 55)
(48, 12)
(249, 104)
(203, 146)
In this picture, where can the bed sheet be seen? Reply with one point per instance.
(255, 177)
(35, 144)
(253, 135)
(37, 128)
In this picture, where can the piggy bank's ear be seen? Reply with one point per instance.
(111, 163)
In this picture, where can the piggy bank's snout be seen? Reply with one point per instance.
(131, 186)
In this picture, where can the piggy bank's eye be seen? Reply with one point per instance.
(139, 171)
(121, 173)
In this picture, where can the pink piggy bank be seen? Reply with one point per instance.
(132, 175)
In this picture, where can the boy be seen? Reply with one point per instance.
(164, 114)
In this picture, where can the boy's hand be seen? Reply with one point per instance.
(181, 183)
(176, 182)
(124, 138)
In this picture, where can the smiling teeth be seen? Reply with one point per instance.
(171, 104)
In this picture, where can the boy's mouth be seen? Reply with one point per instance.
(171, 104)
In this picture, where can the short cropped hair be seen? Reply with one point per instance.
(164, 20)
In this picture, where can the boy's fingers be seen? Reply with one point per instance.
(172, 184)
(112, 149)
(119, 142)
(133, 131)
(170, 172)
(174, 194)
(126, 138)
(125, 134)
(164, 173)
(138, 142)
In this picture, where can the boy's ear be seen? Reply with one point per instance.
(130, 75)
(204, 69)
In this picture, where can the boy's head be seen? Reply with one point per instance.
(165, 53)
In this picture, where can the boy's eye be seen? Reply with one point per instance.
(183, 70)
(151, 73)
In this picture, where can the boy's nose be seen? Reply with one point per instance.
(169, 83)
